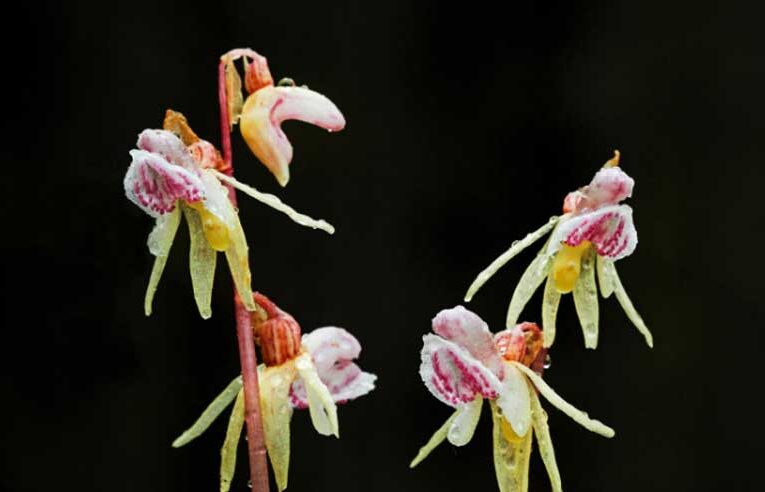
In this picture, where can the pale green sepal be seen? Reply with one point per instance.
(274, 202)
(275, 408)
(438, 437)
(511, 458)
(577, 415)
(508, 255)
(320, 402)
(624, 300)
(211, 413)
(202, 260)
(230, 444)
(159, 242)
(239, 264)
(544, 441)
(527, 285)
(550, 303)
(586, 300)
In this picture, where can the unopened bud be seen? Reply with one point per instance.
(278, 335)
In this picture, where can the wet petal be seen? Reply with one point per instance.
(586, 300)
(168, 146)
(276, 410)
(160, 240)
(239, 264)
(453, 375)
(206, 155)
(515, 248)
(230, 444)
(212, 412)
(610, 229)
(550, 303)
(605, 282)
(320, 403)
(514, 400)
(155, 185)
(544, 441)
(332, 350)
(577, 415)
(610, 186)
(266, 109)
(511, 455)
(202, 261)
(274, 202)
(469, 331)
(612, 279)
(527, 285)
(217, 201)
(438, 437)
(466, 419)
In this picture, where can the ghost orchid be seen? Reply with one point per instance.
(314, 372)
(463, 364)
(260, 115)
(173, 171)
(594, 232)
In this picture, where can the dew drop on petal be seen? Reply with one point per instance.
(249, 484)
(548, 361)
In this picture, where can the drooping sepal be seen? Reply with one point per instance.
(160, 240)
(276, 411)
(512, 454)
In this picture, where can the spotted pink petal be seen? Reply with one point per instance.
(266, 109)
(205, 155)
(155, 185)
(610, 229)
(168, 146)
(333, 350)
(469, 331)
(610, 186)
(453, 375)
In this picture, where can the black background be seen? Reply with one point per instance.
(466, 127)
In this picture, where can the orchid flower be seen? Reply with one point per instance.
(463, 364)
(594, 232)
(314, 372)
(174, 171)
(260, 115)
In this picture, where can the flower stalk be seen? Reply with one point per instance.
(247, 358)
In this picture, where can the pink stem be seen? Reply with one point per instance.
(247, 357)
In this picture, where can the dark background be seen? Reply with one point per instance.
(466, 127)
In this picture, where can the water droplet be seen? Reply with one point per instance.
(514, 243)
(553, 218)
(286, 82)
(548, 362)
(249, 484)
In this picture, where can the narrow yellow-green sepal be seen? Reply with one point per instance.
(230, 444)
(609, 270)
(544, 441)
(275, 383)
(558, 402)
(160, 240)
(606, 284)
(550, 303)
(511, 456)
(508, 255)
(438, 437)
(239, 264)
(586, 300)
(212, 412)
(202, 259)
(527, 285)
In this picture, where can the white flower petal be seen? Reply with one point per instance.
(320, 403)
(610, 229)
(514, 400)
(469, 331)
(463, 426)
(514, 249)
(453, 375)
(610, 186)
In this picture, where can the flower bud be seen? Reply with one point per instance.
(278, 335)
